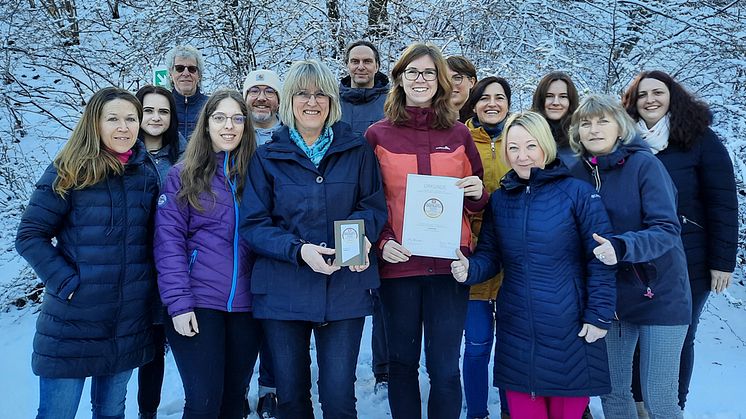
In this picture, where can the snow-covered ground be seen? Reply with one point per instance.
(718, 388)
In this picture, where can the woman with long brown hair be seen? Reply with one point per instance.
(204, 266)
(556, 98)
(421, 135)
(96, 200)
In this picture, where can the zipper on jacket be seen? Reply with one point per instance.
(492, 147)
(685, 220)
(124, 268)
(532, 377)
(234, 278)
(648, 291)
(596, 178)
(192, 259)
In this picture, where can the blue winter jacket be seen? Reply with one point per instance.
(188, 109)
(362, 107)
(289, 202)
(541, 232)
(707, 208)
(161, 161)
(202, 261)
(652, 280)
(104, 255)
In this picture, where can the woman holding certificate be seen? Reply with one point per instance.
(556, 300)
(420, 135)
(315, 171)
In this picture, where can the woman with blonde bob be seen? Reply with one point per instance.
(314, 171)
(420, 135)
(557, 300)
(96, 200)
(653, 297)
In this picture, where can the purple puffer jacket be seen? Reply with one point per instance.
(201, 260)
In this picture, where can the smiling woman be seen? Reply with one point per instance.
(96, 200)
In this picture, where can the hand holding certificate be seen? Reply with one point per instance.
(432, 216)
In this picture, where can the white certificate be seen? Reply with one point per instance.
(433, 208)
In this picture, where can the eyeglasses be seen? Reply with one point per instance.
(428, 75)
(222, 119)
(306, 97)
(457, 79)
(268, 92)
(180, 68)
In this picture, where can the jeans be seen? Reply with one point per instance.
(266, 369)
(150, 375)
(660, 351)
(479, 333)
(379, 348)
(216, 364)
(59, 397)
(337, 349)
(687, 353)
(434, 304)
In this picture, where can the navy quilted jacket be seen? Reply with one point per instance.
(707, 208)
(188, 109)
(541, 231)
(104, 254)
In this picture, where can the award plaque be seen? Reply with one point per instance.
(349, 242)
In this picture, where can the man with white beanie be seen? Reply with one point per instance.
(261, 91)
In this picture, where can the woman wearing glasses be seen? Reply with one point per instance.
(463, 76)
(489, 104)
(315, 171)
(420, 134)
(204, 267)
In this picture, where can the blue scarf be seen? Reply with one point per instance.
(318, 149)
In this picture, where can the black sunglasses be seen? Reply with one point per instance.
(180, 68)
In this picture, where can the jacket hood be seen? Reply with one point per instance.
(366, 94)
(419, 118)
(622, 152)
(343, 140)
(551, 172)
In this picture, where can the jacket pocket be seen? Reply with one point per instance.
(685, 221)
(641, 276)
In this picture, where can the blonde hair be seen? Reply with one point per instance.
(301, 75)
(396, 102)
(596, 106)
(537, 127)
(83, 161)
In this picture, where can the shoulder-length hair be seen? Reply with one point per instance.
(596, 106)
(396, 101)
(478, 90)
(83, 161)
(537, 127)
(171, 136)
(539, 101)
(199, 157)
(689, 116)
(303, 74)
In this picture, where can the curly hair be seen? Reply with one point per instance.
(689, 116)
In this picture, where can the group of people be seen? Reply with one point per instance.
(592, 234)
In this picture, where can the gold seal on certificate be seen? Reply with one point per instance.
(349, 242)
(432, 216)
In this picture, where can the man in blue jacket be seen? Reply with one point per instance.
(186, 66)
(362, 95)
(364, 90)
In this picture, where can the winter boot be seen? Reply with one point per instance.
(266, 407)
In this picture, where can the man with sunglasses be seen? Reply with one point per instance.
(185, 65)
(261, 91)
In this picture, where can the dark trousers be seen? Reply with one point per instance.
(266, 368)
(686, 366)
(436, 304)
(337, 349)
(216, 364)
(378, 344)
(150, 375)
